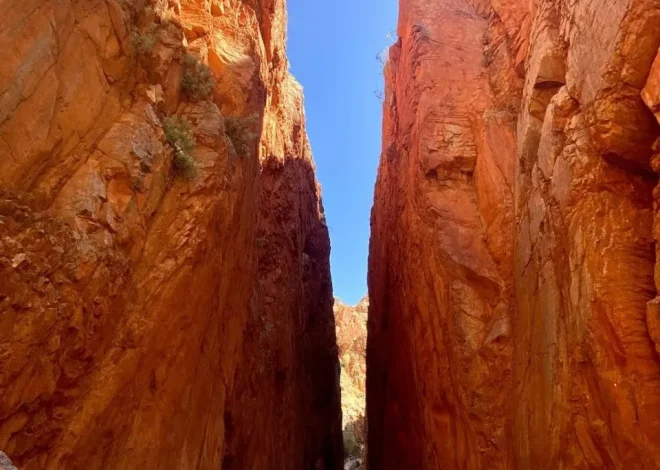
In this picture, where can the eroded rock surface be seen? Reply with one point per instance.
(130, 295)
(511, 277)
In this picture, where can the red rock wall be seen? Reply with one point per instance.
(589, 381)
(127, 293)
(512, 251)
(440, 274)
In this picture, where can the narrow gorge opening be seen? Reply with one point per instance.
(339, 59)
(351, 326)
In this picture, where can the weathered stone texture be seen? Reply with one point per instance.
(512, 254)
(127, 291)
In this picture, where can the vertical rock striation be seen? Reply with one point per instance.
(511, 276)
(587, 374)
(440, 274)
(131, 294)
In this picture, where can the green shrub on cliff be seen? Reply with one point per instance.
(197, 78)
(354, 434)
(242, 133)
(351, 447)
(144, 41)
(179, 134)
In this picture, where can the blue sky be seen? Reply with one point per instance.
(332, 49)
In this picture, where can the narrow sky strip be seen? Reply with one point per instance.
(334, 49)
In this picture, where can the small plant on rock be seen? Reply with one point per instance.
(488, 58)
(179, 134)
(351, 446)
(354, 434)
(242, 132)
(197, 78)
(144, 41)
(383, 56)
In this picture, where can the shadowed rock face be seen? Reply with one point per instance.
(131, 296)
(511, 275)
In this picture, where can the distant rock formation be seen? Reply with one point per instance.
(351, 324)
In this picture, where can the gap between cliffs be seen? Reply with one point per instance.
(351, 325)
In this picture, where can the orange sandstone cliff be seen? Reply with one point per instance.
(514, 321)
(150, 318)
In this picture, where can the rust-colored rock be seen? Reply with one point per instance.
(129, 293)
(586, 372)
(511, 276)
(440, 275)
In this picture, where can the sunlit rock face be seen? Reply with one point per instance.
(512, 319)
(133, 297)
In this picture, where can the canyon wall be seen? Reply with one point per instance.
(137, 303)
(513, 320)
